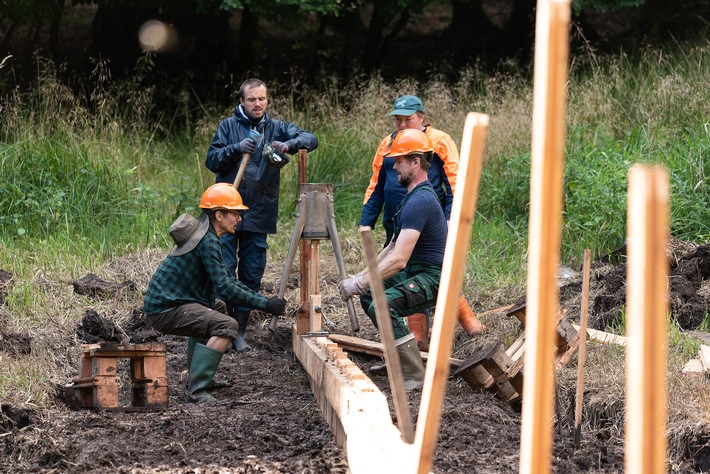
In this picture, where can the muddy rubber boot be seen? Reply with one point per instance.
(203, 366)
(240, 344)
(418, 325)
(468, 320)
(214, 384)
(411, 361)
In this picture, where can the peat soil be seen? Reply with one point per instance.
(273, 424)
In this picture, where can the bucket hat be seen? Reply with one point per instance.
(187, 232)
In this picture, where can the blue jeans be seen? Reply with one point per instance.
(244, 254)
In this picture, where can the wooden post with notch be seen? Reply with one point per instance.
(647, 320)
(304, 255)
(457, 248)
(384, 323)
(581, 360)
(547, 165)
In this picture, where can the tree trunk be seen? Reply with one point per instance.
(57, 13)
(376, 42)
(248, 30)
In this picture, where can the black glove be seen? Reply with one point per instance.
(247, 145)
(276, 306)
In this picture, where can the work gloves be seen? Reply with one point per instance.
(352, 286)
(279, 147)
(276, 306)
(248, 145)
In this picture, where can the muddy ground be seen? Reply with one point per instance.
(273, 424)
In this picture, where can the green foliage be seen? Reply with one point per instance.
(107, 170)
(604, 5)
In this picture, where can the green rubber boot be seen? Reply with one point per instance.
(411, 361)
(204, 363)
(214, 384)
(240, 344)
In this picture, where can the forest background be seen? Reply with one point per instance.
(102, 144)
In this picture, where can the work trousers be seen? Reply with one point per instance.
(411, 291)
(195, 320)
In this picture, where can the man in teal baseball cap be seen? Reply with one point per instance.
(407, 105)
(384, 193)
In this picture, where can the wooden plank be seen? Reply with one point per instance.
(457, 248)
(704, 356)
(603, 337)
(496, 310)
(357, 344)
(584, 310)
(546, 189)
(694, 367)
(564, 358)
(384, 324)
(515, 351)
(356, 410)
(565, 334)
(647, 321)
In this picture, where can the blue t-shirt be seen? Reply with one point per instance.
(422, 211)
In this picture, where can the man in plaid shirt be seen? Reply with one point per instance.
(181, 294)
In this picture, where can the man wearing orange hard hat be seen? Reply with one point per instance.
(410, 265)
(180, 299)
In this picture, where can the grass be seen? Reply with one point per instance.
(99, 175)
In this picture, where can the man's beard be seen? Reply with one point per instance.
(404, 180)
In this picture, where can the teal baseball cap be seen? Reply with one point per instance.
(407, 105)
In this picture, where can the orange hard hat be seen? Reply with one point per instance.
(410, 141)
(222, 196)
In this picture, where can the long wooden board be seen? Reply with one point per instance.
(356, 410)
(357, 344)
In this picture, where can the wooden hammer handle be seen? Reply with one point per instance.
(241, 170)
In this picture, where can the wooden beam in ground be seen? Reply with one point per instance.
(582, 331)
(384, 324)
(356, 410)
(603, 337)
(704, 356)
(647, 320)
(357, 344)
(547, 169)
(455, 255)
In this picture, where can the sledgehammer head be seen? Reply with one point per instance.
(272, 158)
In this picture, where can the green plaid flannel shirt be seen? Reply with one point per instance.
(197, 277)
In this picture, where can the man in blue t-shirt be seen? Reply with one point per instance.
(411, 264)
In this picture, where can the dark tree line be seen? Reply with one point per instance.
(327, 37)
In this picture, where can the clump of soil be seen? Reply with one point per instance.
(15, 344)
(5, 279)
(94, 328)
(93, 285)
(689, 292)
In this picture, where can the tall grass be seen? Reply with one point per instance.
(94, 175)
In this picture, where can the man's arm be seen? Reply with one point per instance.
(375, 193)
(295, 138)
(395, 256)
(223, 154)
(228, 287)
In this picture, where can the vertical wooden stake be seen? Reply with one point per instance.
(316, 319)
(547, 165)
(582, 357)
(304, 257)
(647, 320)
(457, 247)
(384, 323)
